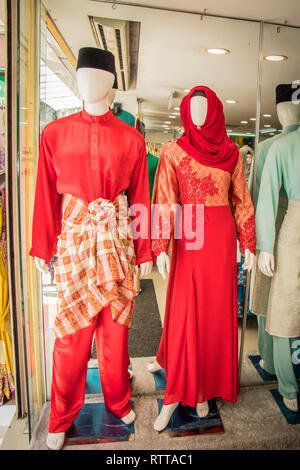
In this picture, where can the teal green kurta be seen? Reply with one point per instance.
(125, 116)
(282, 167)
(152, 161)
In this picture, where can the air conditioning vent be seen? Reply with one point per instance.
(122, 39)
(101, 30)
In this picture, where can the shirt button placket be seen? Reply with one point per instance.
(94, 144)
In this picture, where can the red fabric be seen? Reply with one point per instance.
(210, 145)
(199, 344)
(70, 360)
(89, 157)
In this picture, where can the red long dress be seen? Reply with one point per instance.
(199, 344)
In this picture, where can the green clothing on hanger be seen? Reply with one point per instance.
(152, 161)
(127, 117)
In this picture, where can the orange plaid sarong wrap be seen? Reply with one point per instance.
(95, 263)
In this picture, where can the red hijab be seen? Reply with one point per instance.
(210, 144)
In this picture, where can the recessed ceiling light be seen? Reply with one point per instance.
(275, 57)
(267, 125)
(266, 115)
(252, 119)
(231, 101)
(217, 50)
(244, 122)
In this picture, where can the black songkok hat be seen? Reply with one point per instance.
(95, 58)
(285, 92)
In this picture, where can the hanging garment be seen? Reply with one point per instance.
(70, 362)
(6, 362)
(152, 161)
(127, 117)
(199, 344)
(282, 167)
(89, 157)
(95, 263)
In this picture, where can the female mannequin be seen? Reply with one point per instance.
(198, 349)
(85, 169)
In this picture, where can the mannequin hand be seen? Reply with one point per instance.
(266, 263)
(41, 265)
(145, 269)
(249, 260)
(163, 264)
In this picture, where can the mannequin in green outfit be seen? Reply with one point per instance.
(275, 340)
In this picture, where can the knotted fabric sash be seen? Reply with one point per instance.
(95, 263)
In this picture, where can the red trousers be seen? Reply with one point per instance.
(70, 361)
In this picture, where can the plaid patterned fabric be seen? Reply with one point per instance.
(95, 263)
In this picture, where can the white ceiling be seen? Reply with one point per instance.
(172, 53)
(266, 10)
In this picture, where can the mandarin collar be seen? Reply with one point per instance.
(99, 119)
(291, 127)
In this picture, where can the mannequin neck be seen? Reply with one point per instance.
(98, 108)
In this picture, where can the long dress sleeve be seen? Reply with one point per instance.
(243, 208)
(165, 198)
(47, 207)
(139, 198)
(267, 204)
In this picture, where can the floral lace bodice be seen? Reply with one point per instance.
(181, 179)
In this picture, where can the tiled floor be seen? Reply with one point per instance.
(13, 436)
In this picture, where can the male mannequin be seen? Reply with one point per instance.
(274, 337)
(289, 117)
(198, 112)
(95, 77)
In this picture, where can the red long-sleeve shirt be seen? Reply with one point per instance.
(89, 157)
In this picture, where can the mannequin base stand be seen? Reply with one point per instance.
(291, 404)
(164, 417)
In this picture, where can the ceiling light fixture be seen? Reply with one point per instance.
(266, 115)
(267, 125)
(252, 119)
(244, 122)
(217, 50)
(275, 57)
(231, 101)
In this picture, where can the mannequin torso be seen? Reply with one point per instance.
(288, 115)
(95, 87)
(198, 115)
